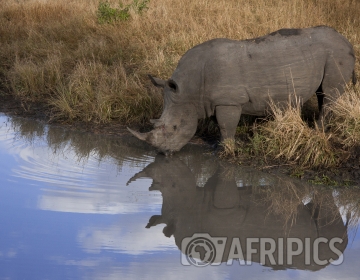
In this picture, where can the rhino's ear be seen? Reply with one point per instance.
(172, 85)
(157, 82)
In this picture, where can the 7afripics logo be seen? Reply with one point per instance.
(201, 250)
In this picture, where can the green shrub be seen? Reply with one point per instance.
(107, 14)
(140, 5)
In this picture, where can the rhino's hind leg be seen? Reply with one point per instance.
(228, 118)
(338, 72)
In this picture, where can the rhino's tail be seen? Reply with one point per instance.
(354, 80)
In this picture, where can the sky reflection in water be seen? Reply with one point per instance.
(67, 211)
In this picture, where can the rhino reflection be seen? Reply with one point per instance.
(222, 209)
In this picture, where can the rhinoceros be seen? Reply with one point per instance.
(227, 78)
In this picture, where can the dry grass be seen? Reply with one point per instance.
(285, 136)
(345, 117)
(57, 53)
(288, 136)
(228, 148)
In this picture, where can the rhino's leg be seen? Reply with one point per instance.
(228, 118)
(336, 75)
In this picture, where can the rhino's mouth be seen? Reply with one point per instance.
(157, 138)
(170, 136)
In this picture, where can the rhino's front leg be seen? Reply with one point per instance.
(228, 118)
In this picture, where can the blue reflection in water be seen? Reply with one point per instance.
(67, 213)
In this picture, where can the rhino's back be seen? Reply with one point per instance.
(293, 62)
(284, 63)
(276, 65)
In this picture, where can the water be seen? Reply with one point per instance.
(82, 206)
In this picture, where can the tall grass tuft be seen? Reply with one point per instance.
(101, 93)
(345, 117)
(287, 136)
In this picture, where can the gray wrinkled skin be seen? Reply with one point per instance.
(227, 78)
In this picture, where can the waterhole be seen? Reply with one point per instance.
(84, 206)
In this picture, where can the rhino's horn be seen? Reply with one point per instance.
(141, 136)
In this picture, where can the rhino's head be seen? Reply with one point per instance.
(178, 122)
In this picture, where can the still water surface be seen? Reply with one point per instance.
(83, 206)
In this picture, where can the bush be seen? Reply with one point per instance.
(107, 14)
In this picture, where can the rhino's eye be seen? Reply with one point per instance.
(172, 85)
